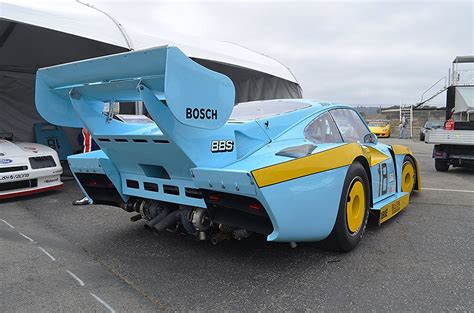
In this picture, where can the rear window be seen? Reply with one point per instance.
(254, 110)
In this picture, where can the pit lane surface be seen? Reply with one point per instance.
(422, 259)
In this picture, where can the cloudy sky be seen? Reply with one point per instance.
(358, 52)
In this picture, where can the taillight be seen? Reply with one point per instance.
(221, 200)
(214, 198)
(255, 206)
(449, 125)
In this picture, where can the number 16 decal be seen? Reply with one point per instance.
(383, 178)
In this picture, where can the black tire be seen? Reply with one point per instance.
(422, 137)
(341, 238)
(410, 160)
(441, 165)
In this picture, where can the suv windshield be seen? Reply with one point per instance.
(247, 111)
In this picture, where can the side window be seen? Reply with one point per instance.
(350, 125)
(322, 130)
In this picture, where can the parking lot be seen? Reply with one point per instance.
(55, 256)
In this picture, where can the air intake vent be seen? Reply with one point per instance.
(19, 184)
(150, 187)
(13, 169)
(42, 162)
(172, 190)
(193, 193)
(132, 184)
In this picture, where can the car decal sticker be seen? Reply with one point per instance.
(322, 161)
(393, 208)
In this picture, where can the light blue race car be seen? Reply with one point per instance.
(293, 170)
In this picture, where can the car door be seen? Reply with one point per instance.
(382, 169)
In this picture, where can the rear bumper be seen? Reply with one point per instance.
(300, 209)
(456, 155)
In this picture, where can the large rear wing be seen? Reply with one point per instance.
(170, 84)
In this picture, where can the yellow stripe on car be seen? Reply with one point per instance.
(393, 208)
(319, 162)
(376, 156)
(398, 149)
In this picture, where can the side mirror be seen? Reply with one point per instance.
(370, 138)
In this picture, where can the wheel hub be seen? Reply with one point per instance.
(355, 207)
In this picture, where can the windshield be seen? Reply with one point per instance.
(434, 124)
(254, 110)
(377, 124)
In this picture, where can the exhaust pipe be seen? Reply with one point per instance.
(219, 237)
(170, 219)
(158, 218)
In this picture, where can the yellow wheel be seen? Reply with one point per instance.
(355, 207)
(408, 176)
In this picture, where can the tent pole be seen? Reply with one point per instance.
(116, 22)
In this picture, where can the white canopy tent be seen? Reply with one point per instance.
(38, 34)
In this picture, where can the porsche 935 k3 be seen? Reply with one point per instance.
(293, 170)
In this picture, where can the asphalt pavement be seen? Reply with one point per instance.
(57, 257)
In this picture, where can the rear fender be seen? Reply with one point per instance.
(400, 153)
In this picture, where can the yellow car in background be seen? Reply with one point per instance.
(380, 128)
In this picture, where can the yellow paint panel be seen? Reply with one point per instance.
(380, 130)
(393, 208)
(312, 164)
(398, 149)
(375, 156)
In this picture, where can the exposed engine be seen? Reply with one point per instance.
(186, 219)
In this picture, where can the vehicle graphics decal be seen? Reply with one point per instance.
(222, 146)
(393, 208)
(201, 114)
(51, 180)
(16, 176)
(326, 160)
